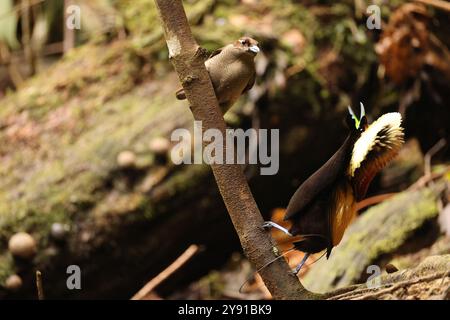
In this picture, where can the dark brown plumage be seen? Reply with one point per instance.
(232, 71)
(325, 204)
(309, 207)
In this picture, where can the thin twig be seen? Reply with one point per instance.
(429, 155)
(351, 291)
(446, 274)
(40, 288)
(424, 180)
(429, 176)
(374, 200)
(437, 285)
(333, 295)
(152, 284)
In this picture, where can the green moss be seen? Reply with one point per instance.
(65, 130)
(142, 21)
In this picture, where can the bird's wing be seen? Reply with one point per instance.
(215, 53)
(374, 149)
(180, 92)
(250, 83)
(320, 180)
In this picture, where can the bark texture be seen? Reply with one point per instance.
(188, 59)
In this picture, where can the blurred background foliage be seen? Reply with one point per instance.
(81, 112)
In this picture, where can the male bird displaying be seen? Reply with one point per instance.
(325, 204)
(232, 71)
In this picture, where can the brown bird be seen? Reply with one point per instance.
(324, 205)
(232, 71)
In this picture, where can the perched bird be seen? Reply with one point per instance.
(232, 71)
(325, 204)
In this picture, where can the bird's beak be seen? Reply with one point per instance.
(254, 49)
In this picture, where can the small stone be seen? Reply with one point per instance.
(13, 282)
(22, 245)
(126, 159)
(59, 231)
(159, 145)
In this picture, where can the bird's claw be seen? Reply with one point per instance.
(292, 272)
(267, 225)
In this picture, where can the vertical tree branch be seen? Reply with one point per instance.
(188, 59)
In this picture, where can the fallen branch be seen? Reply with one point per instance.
(428, 176)
(152, 284)
(429, 155)
(373, 200)
(188, 59)
(425, 180)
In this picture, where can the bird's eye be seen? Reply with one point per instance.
(244, 41)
